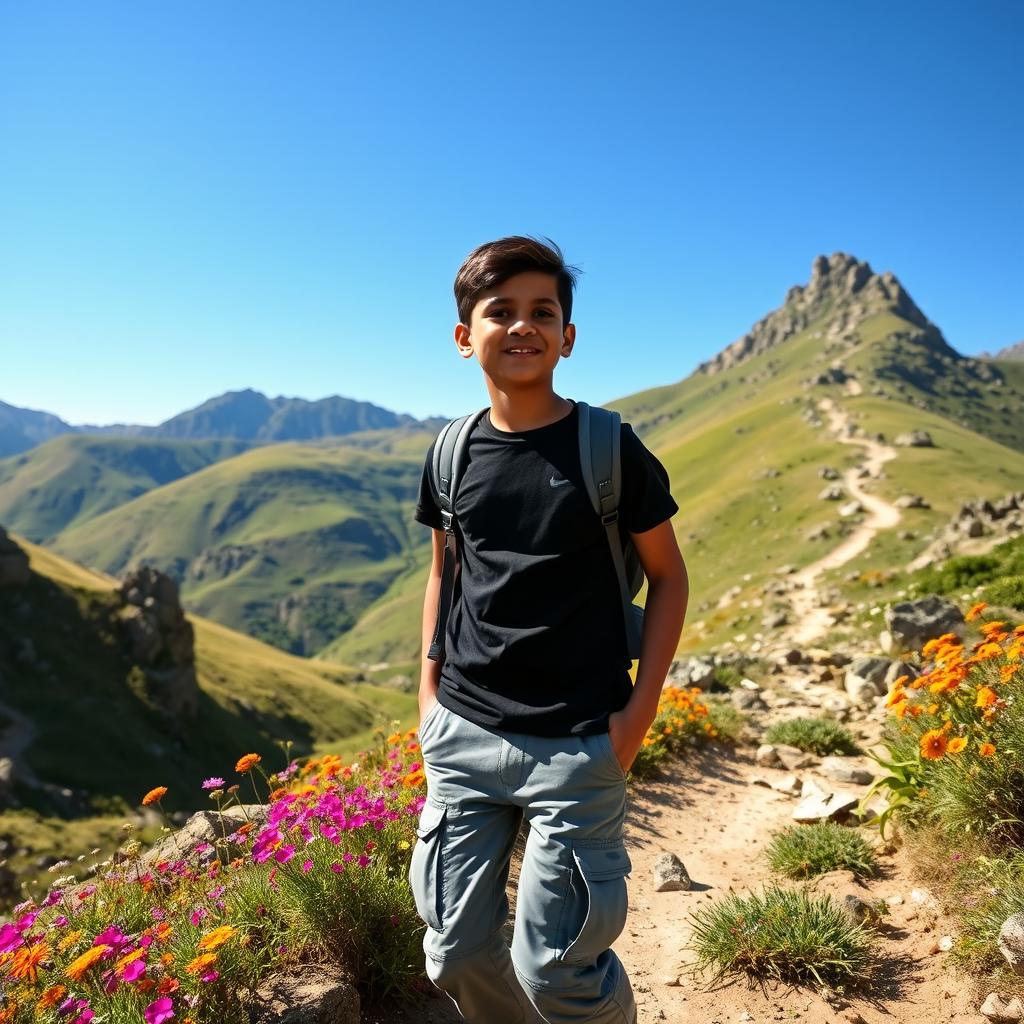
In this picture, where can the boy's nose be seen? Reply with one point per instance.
(521, 327)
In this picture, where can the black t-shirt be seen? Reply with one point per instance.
(536, 641)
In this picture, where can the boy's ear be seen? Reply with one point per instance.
(568, 340)
(463, 341)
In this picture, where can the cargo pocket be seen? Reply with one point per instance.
(426, 868)
(597, 897)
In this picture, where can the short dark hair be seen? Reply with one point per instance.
(493, 262)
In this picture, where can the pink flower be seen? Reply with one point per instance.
(209, 976)
(10, 938)
(159, 1010)
(134, 970)
(363, 860)
(285, 854)
(307, 866)
(214, 783)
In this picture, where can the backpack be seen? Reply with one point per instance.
(599, 437)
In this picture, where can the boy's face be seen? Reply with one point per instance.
(516, 331)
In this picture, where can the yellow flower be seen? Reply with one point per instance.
(986, 697)
(69, 940)
(247, 761)
(956, 744)
(201, 963)
(77, 968)
(154, 796)
(217, 937)
(933, 744)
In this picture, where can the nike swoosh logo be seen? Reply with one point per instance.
(557, 483)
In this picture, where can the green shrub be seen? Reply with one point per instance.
(819, 736)
(1008, 592)
(782, 935)
(802, 851)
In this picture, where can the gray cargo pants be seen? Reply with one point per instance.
(571, 900)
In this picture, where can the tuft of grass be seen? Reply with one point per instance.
(803, 851)
(783, 935)
(815, 735)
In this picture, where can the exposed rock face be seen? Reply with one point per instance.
(161, 639)
(1000, 519)
(842, 286)
(309, 997)
(13, 562)
(912, 623)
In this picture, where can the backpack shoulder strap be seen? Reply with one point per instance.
(600, 432)
(446, 467)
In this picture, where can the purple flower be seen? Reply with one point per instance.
(10, 938)
(285, 854)
(363, 860)
(209, 976)
(307, 866)
(159, 1010)
(214, 783)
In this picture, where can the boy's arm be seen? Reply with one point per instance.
(430, 671)
(667, 597)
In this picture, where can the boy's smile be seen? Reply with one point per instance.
(516, 331)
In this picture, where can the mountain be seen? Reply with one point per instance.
(72, 478)
(21, 429)
(246, 415)
(287, 542)
(1010, 352)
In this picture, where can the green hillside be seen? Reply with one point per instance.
(289, 543)
(76, 477)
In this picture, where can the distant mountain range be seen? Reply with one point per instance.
(246, 415)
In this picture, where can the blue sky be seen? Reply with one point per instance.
(201, 197)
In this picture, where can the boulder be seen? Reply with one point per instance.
(833, 493)
(865, 679)
(830, 807)
(317, 996)
(911, 501)
(793, 759)
(14, 571)
(914, 439)
(839, 769)
(851, 508)
(1002, 1011)
(912, 623)
(1011, 942)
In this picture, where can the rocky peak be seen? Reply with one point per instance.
(843, 289)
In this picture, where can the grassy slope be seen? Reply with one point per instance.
(328, 525)
(252, 697)
(74, 478)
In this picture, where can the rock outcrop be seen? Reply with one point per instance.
(842, 287)
(161, 640)
(14, 570)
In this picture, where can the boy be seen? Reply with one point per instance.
(530, 711)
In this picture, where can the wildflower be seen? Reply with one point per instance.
(216, 938)
(25, 962)
(213, 783)
(956, 744)
(201, 963)
(986, 697)
(77, 968)
(51, 997)
(154, 796)
(987, 749)
(975, 610)
(247, 762)
(10, 938)
(933, 744)
(159, 1010)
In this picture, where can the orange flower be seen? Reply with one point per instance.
(413, 779)
(77, 968)
(956, 744)
(986, 697)
(987, 651)
(7, 1013)
(201, 963)
(121, 964)
(933, 744)
(51, 997)
(987, 749)
(167, 986)
(25, 962)
(154, 796)
(975, 611)
(247, 761)
(217, 937)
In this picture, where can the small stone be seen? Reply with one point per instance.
(793, 759)
(669, 874)
(766, 757)
(788, 784)
(946, 943)
(1011, 942)
(1001, 1011)
(670, 980)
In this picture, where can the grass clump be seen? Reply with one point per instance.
(819, 736)
(782, 935)
(803, 851)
